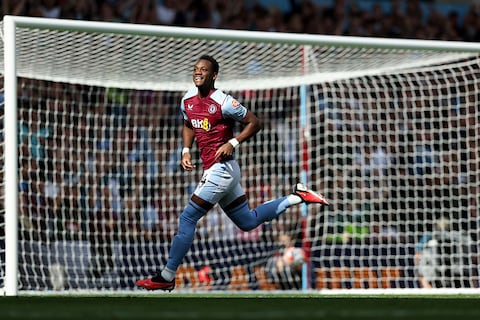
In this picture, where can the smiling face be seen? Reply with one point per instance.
(204, 75)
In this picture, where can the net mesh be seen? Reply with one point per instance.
(164, 63)
(399, 154)
(391, 136)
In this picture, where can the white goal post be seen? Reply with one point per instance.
(388, 129)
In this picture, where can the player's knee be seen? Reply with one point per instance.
(186, 230)
(187, 223)
(191, 214)
(186, 219)
(185, 235)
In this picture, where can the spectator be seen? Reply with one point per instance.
(443, 257)
(102, 221)
(470, 23)
(285, 267)
(33, 132)
(106, 12)
(14, 7)
(167, 11)
(50, 8)
(144, 12)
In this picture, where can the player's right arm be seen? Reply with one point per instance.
(188, 136)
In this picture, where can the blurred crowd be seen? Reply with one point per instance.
(397, 19)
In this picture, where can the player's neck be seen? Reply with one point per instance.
(203, 92)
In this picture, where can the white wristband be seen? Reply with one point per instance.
(185, 150)
(234, 142)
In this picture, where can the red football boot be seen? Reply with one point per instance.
(156, 283)
(309, 196)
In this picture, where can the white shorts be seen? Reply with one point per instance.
(220, 184)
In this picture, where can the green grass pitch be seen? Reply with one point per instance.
(239, 306)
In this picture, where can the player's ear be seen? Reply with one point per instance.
(214, 77)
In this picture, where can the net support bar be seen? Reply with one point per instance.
(11, 159)
(242, 35)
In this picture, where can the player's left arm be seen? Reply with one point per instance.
(251, 125)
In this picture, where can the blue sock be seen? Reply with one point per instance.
(184, 238)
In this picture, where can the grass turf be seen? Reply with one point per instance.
(239, 306)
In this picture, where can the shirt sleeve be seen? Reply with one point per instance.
(182, 108)
(190, 93)
(231, 108)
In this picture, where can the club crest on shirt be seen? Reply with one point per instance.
(235, 103)
(212, 109)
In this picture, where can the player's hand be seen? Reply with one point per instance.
(225, 150)
(187, 162)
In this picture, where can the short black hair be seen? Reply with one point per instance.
(216, 66)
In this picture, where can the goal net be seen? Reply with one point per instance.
(387, 129)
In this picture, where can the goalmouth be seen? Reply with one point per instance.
(388, 129)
